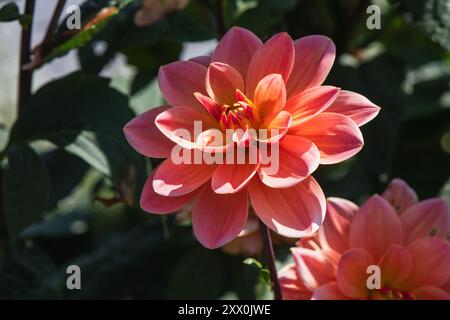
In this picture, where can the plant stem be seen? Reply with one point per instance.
(220, 18)
(52, 26)
(25, 76)
(270, 257)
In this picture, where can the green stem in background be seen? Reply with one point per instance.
(221, 30)
(52, 26)
(25, 76)
(270, 257)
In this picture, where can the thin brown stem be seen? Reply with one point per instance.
(270, 257)
(25, 76)
(52, 26)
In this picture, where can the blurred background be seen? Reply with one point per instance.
(71, 183)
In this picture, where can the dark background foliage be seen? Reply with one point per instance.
(76, 202)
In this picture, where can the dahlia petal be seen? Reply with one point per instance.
(218, 219)
(375, 227)
(213, 107)
(202, 60)
(155, 203)
(179, 80)
(270, 96)
(291, 286)
(334, 233)
(178, 124)
(352, 273)
(314, 268)
(400, 195)
(143, 135)
(431, 263)
(231, 178)
(275, 56)
(395, 265)
(276, 129)
(329, 291)
(222, 80)
(298, 158)
(430, 293)
(309, 103)
(337, 137)
(355, 106)
(314, 57)
(237, 48)
(178, 179)
(426, 218)
(292, 212)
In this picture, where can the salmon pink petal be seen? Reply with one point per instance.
(297, 159)
(352, 273)
(431, 263)
(310, 103)
(143, 135)
(270, 96)
(275, 56)
(237, 48)
(400, 195)
(178, 179)
(213, 107)
(395, 265)
(222, 80)
(334, 233)
(231, 178)
(291, 286)
(355, 106)
(179, 80)
(277, 128)
(430, 293)
(337, 137)
(375, 227)
(202, 60)
(314, 57)
(314, 268)
(426, 218)
(218, 219)
(292, 212)
(155, 203)
(329, 291)
(178, 124)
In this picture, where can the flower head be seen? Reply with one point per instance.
(410, 247)
(248, 96)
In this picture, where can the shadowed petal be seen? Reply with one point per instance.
(352, 273)
(292, 212)
(395, 265)
(400, 195)
(222, 80)
(310, 103)
(329, 291)
(202, 60)
(275, 56)
(155, 203)
(237, 48)
(292, 287)
(143, 135)
(179, 80)
(337, 137)
(218, 219)
(177, 179)
(426, 218)
(375, 227)
(297, 159)
(336, 227)
(314, 57)
(430, 293)
(355, 106)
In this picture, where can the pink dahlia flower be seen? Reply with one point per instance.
(245, 85)
(410, 246)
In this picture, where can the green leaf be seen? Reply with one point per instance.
(264, 273)
(26, 189)
(9, 12)
(85, 116)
